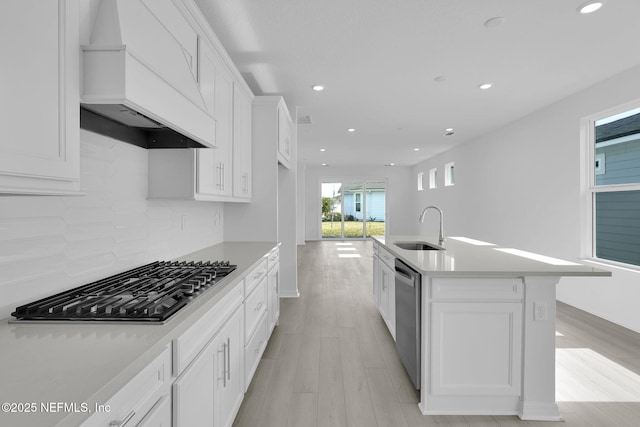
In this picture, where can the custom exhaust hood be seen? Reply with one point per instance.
(142, 80)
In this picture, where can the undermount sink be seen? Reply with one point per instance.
(417, 246)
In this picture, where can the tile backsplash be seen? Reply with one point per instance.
(51, 243)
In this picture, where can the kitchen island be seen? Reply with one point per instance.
(486, 323)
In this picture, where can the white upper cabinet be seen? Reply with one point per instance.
(220, 174)
(285, 136)
(200, 174)
(39, 114)
(242, 185)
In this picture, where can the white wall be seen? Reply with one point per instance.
(50, 243)
(521, 186)
(400, 216)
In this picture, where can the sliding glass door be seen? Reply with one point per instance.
(353, 210)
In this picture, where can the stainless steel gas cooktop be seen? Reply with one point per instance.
(151, 293)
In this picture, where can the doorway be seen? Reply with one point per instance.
(353, 210)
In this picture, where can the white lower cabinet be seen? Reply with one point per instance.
(193, 392)
(229, 386)
(255, 338)
(210, 390)
(384, 287)
(159, 415)
(273, 290)
(213, 361)
(491, 331)
(144, 401)
(482, 317)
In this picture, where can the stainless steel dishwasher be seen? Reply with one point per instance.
(408, 309)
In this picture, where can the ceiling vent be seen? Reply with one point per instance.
(304, 120)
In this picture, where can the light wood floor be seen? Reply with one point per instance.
(332, 362)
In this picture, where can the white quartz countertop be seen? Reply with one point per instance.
(88, 362)
(464, 257)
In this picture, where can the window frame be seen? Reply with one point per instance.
(589, 187)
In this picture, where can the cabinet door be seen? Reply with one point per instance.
(229, 383)
(241, 143)
(214, 167)
(193, 392)
(477, 348)
(224, 130)
(388, 298)
(273, 296)
(376, 280)
(39, 114)
(160, 414)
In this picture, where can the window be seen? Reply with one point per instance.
(420, 181)
(358, 199)
(433, 178)
(449, 174)
(614, 187)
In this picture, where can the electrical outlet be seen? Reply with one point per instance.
(539, 311)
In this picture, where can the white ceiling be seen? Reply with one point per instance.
(378, 60)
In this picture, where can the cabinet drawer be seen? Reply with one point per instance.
(254, 349)
(254, 306)
(386, 257)
(159, 415)
(191, 342)
(273, 258)
(139, 397)
(477, 289)
(255, 276)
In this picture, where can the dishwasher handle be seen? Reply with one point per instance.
(404, 278)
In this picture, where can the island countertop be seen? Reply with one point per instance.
(465, 257)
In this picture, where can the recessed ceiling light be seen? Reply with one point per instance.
(416, 149)
(317, 88)
(323, 149)
(390, 164)
(324, 164)
(448, 132)
(590, 7)
(351, 130)
(485, 86)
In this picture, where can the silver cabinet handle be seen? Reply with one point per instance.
(123, 422)
(219, 177)
(224, 364)
(228, 358)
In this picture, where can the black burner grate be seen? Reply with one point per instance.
(151, 293)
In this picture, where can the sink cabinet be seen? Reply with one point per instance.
(40, 149)
(487, 327)
(384, 287)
